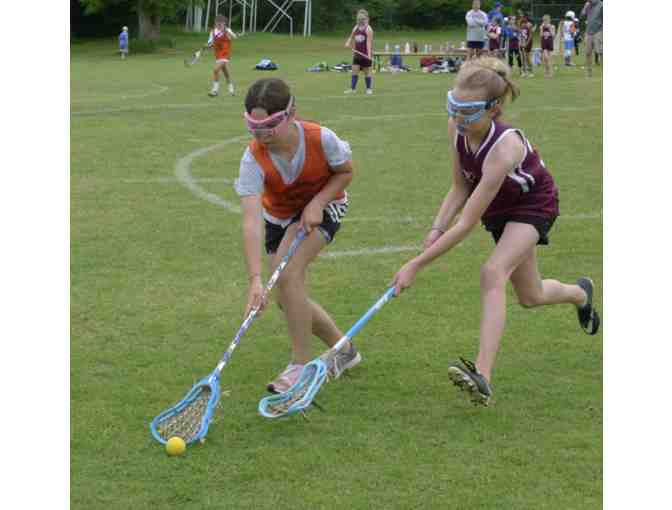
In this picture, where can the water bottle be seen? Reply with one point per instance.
(430, 48)
(387, 47)
(407, 47)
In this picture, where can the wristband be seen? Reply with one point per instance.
(439, 229)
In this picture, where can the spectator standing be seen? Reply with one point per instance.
(593, 13)
(123, 42)
(477, 20)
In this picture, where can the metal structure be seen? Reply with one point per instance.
(250, 10)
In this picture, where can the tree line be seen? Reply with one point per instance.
(89, 18)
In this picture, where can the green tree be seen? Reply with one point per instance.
(149, 12)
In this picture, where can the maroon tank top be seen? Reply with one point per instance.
(361, 38)
(546, 38)
(528, 189)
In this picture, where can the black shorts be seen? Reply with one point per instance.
(496, 226)
(363, 62)
(475, 45)
(331, 223)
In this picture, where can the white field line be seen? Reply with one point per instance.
(183, 174)
(159, 89)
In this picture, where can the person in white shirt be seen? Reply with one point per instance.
(477, 20)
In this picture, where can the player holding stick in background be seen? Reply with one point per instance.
(220, 40)
(360, 42)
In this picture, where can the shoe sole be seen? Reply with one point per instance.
(466, 384)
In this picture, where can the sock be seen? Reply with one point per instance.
(353, 81)
(367, 80)
(215, 85)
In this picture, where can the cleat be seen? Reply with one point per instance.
(468, 379)
(344, 359)
(286, 379)
(588, 317)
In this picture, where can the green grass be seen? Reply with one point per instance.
(158, 287)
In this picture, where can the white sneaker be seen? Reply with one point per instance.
(232, 91)
(349, 91)
(286, 379)
(369, 92)
(347, 357)
(213, 93)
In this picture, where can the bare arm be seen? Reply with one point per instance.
(502, 159)
(369, 42)
(459, 191)
(348, 42)
(252, 233)
(339, 180)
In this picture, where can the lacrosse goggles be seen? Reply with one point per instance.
(272, 124)
(467, 112)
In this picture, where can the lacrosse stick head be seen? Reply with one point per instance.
(191, 416)
(188, 62)
(300, 395)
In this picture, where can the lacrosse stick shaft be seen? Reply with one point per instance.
(300, 235)
(389, 294)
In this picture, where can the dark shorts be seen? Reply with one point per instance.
(547, 44)
(496, 225)
(331, 223)
(475, 45)
(358, 60)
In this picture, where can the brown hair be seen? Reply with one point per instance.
(490, 75)
(221, 19)
(271, 94)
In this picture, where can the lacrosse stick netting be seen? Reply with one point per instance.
(191, 416)
(315, 373)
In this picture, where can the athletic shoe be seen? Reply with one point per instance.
(231, 89)
(349, 91)
(369, 91)
(213, 93)
(467, 378)
(286, 379)
(589, 319)
(345, 358)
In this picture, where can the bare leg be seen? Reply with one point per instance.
(225, 70)
(515, 245)
(291, 294)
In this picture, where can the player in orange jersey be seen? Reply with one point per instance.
(220, 41)
(293, 175)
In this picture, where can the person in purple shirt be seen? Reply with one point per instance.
(361, 44)
(500, 180)
(123, 42)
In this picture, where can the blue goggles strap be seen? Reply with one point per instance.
(453, 106)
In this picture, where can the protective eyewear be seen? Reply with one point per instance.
(468, 112)
(272, 124)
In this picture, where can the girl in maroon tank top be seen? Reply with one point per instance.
(547, 32)
(498, 179)
(361, 44)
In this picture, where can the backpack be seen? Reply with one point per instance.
(265, 65)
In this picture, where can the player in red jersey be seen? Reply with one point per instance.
(220, 41)
(526, 40)
(494, 32)
(500, 180)
(547, 33)
(292, 175)
(361, 44)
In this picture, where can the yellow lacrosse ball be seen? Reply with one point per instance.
(176, 446)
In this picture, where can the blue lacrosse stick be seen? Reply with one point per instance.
(314, 374)
(191, 416)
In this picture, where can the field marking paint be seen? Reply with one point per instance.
(160, 89)
(183, 174)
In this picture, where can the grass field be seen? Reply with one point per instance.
(158, 286)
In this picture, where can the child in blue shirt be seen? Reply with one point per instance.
(123, 42)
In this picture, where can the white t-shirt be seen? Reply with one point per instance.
(251, 176)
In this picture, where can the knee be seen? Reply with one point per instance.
(492, 276)
(529, 299)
